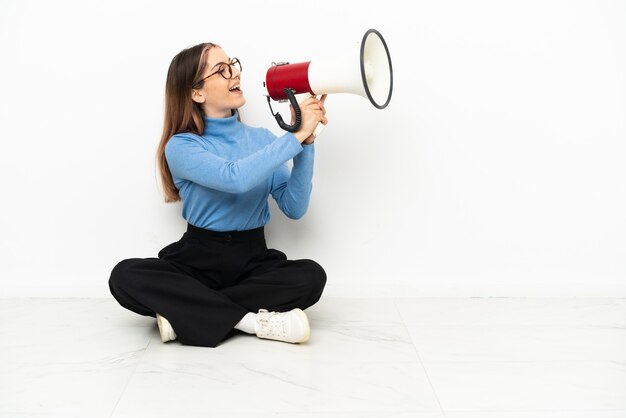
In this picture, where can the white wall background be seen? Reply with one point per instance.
(498, 169)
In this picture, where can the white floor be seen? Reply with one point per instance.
(470, 358)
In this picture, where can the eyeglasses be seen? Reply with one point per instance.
(225, 70)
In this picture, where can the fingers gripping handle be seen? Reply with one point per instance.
(296, 109)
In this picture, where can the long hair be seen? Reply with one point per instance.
(182, 114)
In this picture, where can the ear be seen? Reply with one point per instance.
(197, 96)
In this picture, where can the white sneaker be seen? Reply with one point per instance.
(291, 327)
(166, 330)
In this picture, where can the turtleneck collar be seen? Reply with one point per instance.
(223, 128)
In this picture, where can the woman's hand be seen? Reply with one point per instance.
(313, 112)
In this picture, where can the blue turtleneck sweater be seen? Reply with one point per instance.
(226, 175)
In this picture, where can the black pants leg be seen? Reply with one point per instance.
(206, 282)
(199, 315)
(284, 284)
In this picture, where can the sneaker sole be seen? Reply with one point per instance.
(307, 332)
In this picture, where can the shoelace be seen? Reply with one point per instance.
(274, 328)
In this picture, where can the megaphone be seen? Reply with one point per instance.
(372, 78)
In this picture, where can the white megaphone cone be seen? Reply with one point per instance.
(365, 71)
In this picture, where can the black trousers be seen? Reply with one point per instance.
(207, 281)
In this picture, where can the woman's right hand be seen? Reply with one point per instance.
(313, 112)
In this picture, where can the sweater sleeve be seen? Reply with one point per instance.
(292, 191)
(188, 159)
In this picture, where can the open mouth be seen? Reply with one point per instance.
(235, 89)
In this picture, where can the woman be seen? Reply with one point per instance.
(221, 276)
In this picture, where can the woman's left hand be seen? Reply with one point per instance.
(315, 103)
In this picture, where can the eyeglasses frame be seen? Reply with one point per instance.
(232, 63)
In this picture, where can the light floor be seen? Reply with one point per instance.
(470, 358)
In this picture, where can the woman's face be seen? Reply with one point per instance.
(219, 95)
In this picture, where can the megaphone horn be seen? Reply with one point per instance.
(372, 78)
